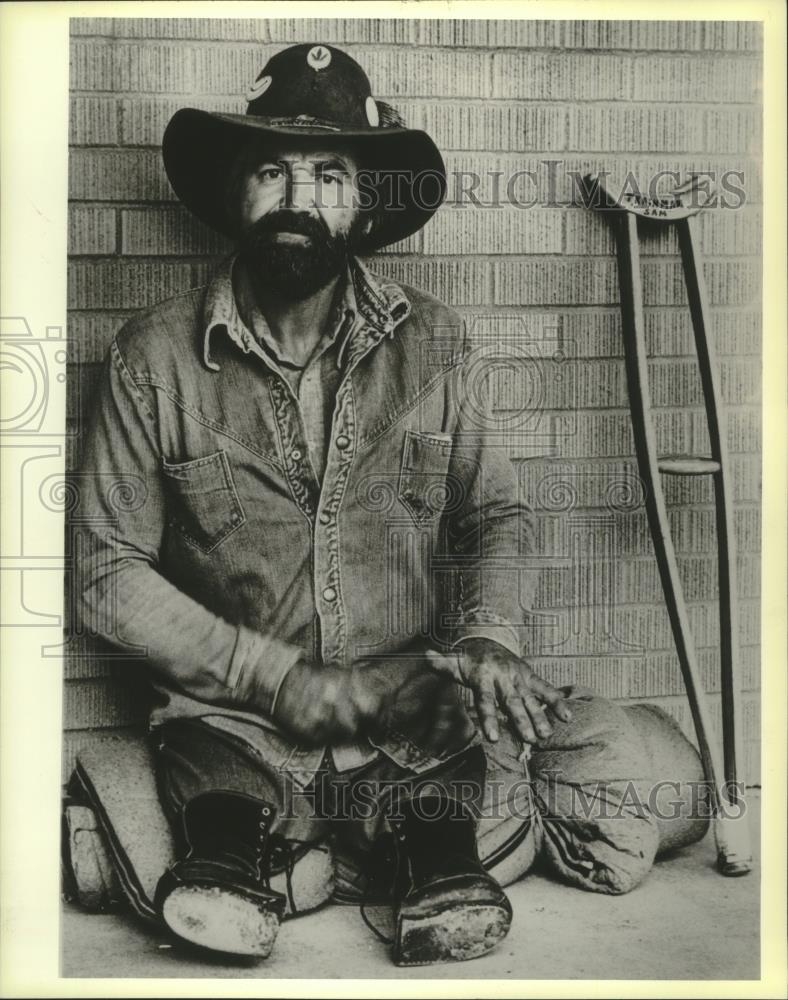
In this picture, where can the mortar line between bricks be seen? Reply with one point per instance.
(509, 259)
(504, 308)
(593, 154)
(534, 153)
(498, 48)
(613, 307)
(650, 104)
(171, 203)
(608, 461)
(118, 232)
(656, 605)
(547, 308)
(623, 410)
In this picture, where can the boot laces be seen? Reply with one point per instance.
(379, 877)
(277, 853)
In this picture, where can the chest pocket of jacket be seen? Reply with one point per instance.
(425, 487)
(203, 504)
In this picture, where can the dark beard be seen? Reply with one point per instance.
(294, 271)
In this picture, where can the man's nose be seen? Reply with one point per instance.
(300, 193)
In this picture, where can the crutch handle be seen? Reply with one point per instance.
(665, 208)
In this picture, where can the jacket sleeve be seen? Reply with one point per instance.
(491, 527)
(121, 594)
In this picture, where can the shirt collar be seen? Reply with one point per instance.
(380, 302)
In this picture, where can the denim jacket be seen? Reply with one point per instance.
(212, 549)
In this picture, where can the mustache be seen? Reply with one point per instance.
(286, 221)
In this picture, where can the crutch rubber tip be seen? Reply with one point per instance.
(732, 836)
(734, 867)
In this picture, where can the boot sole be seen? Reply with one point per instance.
(457, 934)
(220, 920)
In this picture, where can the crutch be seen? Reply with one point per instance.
(731, 831)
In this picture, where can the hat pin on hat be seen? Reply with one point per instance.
(373, 116)
(318, 57)
(260, 85)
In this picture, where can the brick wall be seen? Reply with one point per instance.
(498, 97)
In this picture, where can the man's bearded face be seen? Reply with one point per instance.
(294, 253)
(299, 220)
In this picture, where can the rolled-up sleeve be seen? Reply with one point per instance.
(122, 595)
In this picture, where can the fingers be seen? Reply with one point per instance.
(550, 696)
(520, 693)
(519, 717)
(526, 700)
(540, 721)
(525, 713)
(484, 697)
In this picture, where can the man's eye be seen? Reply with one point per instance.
(331, 178)
(270, 173)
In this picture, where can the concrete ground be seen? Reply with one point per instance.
(684, 922)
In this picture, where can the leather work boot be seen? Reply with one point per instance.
(217, 896)
(446, 907)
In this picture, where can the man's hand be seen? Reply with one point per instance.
(499, 678)
(315, 705)
(320, 704)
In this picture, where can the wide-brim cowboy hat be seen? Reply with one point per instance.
(312, 95)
